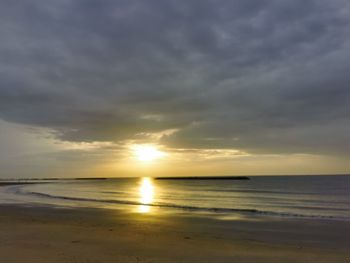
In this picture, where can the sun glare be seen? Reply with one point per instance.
(146, 192)
(147, 153)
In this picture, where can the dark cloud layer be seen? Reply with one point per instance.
(260, 76)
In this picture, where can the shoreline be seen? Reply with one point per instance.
(107, 235)
(226, 213)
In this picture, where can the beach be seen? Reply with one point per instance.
(47, 234)
(174, 131)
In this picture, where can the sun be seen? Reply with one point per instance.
(147, 153)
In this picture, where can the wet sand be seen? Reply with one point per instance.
(46, 234)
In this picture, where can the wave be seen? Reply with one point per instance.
(277, 192)
(189, 208)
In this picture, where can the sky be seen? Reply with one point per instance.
(218, 87)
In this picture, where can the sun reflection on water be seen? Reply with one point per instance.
(146, 192)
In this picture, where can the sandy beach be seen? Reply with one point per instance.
(46, 234)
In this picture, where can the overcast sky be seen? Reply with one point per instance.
(224, 87)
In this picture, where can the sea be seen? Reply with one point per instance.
(311, 197)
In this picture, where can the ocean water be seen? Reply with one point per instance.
(281, 196)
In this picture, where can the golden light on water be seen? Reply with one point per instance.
(147, 153)
(146, 192)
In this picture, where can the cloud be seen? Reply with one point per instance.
(257, 76)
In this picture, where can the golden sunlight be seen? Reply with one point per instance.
(146, 192)
(147, 153)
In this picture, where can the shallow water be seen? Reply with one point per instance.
(298, 196)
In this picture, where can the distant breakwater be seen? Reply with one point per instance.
(204, 178)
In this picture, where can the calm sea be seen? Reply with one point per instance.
(282, 196)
